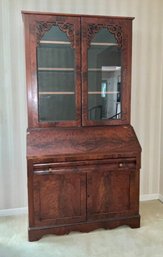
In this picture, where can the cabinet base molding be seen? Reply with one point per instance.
(35, 233)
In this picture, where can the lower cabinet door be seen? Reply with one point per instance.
(59, 198)
(112, 194)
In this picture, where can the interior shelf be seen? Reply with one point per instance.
(55, 69)
(56, 93)
(72, 93)
(54, 42)
(105, 68)
(68, 43)
(103, 44)
(101, 92)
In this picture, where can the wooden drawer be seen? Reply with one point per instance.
(85, 166)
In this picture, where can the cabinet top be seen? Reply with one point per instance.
(74, 15)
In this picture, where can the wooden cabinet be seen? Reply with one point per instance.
(82, 153)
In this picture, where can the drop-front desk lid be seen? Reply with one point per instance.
(82, 143)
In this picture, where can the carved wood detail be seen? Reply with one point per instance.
(43, 27)
(114, 29)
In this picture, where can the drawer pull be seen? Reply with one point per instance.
(120, 164)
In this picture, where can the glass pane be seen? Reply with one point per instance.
(104, 77)
(56, 87)
(56, 107)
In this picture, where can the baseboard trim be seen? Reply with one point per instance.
(161, 198)
(148, 197)
(16, 211)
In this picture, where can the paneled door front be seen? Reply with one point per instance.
(59, 198)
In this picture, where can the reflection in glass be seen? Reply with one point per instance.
(104, 77)
(56, 87)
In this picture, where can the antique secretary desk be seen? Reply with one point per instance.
(83, 155)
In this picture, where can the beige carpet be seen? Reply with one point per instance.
(146, 241)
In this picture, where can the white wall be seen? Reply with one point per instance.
(146, 86)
